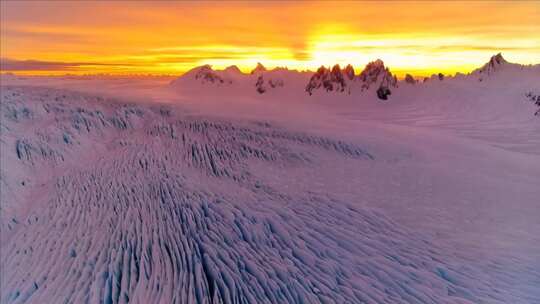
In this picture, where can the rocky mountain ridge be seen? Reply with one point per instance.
(375, 77)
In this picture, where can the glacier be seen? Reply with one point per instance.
(129, 191)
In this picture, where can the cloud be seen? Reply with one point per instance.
(139, 36)
(39, 65)
(493, 48)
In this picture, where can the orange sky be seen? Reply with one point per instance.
(172, 37)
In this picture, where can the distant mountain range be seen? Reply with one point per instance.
(375, 78)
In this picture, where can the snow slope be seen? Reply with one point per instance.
(114, 197)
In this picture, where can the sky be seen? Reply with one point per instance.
(421, 38)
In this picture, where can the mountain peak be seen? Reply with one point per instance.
(410, 79)
(495, 63)
(197, 69)
(497, 59)
(202, 74)
(376, 72)
(376, 75)
(378, 62)
(258, 69)
(232, 69)
(336, 69)
(329, 79)
(373, 69)
(349, 72)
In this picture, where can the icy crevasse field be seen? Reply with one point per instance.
(118, 192)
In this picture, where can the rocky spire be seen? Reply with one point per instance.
(332, 80)
(410, 79)
(348, 71)
(376, 75)
(258, 69)
(494, 64)
(205, 74)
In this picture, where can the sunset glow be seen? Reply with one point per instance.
(171, 37)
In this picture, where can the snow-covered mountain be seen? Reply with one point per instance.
(260, 68)
(410, 79)
(331, 80)
(260, 80)
(375, 77)
(495, 63)
(375, 81)
(205, 75)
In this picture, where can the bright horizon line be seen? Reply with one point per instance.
(400, 73)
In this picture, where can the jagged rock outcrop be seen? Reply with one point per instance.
(375, 74)
(265, 82)
(410, 79)
(258, 69)
(383, 92)
(494, 64)
(205, 74)
(337, 77)
(438, 76)
(536, 99)
(332, 80)
(348, 71)
(259, 85)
